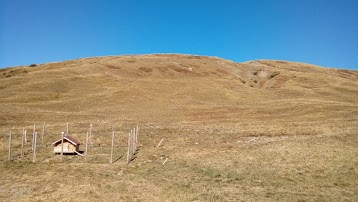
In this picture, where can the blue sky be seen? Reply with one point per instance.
(321, 32)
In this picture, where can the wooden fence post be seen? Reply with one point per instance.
(22, 142)
(32, 141)
(66, 129)
(128, 149)
(86, 147)
(25, 136)
(130, 146)
(134, 144)
(62, 134)
(136, 137)
(90, 136)
(9, 158)
(111, 160)
(42, 134)
(34, 158)
(33, 136)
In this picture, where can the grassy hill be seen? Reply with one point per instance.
(261, 130)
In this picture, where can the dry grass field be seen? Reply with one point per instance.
(255, 131)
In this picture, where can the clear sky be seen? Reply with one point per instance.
(321, 32)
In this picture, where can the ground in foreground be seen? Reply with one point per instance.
(199, 167)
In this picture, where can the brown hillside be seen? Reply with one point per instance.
(179, 90)
(254, 131)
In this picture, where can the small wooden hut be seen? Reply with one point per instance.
(70, 145)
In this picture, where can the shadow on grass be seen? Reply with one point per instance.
(117, 159)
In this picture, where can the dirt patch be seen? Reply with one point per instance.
(279, 82)
(222, 72)
(145, 69)
(112, 66)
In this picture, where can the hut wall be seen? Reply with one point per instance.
(67, 148)
(71, 148)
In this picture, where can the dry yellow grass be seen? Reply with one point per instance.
(254, 131)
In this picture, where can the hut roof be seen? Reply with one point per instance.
(68, 138)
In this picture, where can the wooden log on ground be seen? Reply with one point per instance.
(161, 141)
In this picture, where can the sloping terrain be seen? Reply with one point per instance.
(232, 131)
(179, 89)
